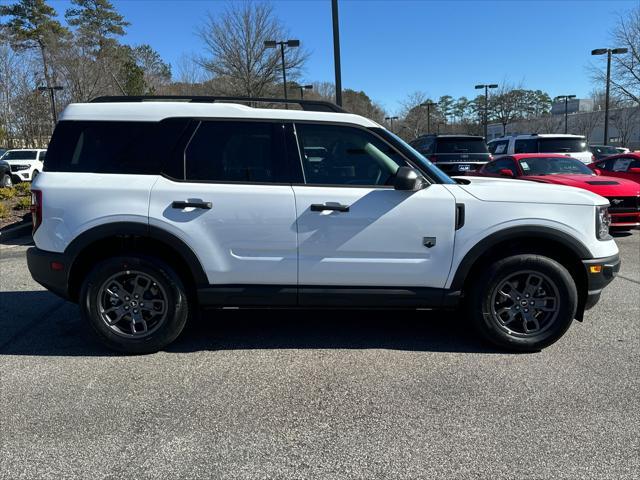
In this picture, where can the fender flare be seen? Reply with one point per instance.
(136, 229)
(513, 233)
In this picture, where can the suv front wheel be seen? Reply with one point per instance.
(523, 303)
(134, 304)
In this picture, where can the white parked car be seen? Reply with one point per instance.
(571, 145)
(25, 163)
(148, 211)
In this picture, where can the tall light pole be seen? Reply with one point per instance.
(52, 96)
(282, 44)
(609, 52)
(302, 89)
(486, 103)
(428, 104)
(566, 99)
(336, 51)
(391, 119)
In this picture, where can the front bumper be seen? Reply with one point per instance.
(600, 273)
(50, 269)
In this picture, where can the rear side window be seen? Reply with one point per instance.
(113, 147)
(236, 152)
(461, 145)
(526, 146)
(553, 145)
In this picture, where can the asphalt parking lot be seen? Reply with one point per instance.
(335, 394)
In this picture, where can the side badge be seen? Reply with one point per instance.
(429, 242)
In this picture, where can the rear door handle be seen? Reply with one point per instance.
(180, 205)
(320, 207)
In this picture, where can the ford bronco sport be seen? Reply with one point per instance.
(149, 210)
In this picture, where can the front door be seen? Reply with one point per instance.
(354, 229)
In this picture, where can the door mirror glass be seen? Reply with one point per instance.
(505, 172)
(408, 179)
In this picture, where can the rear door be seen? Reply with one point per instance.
(230, 199)
(354, 229)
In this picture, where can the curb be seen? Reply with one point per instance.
(15, 231)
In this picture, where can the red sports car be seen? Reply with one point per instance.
(626, 165)
(623, 195)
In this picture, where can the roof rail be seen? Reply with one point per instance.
(309, 105)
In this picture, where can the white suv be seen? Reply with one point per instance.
(25, 163)
(148, 211)
(571, 145)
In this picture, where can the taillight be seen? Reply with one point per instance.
(36, 208)
(491, 158)
(593, 158)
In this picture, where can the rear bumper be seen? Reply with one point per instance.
(50, 269)
(459, 168)
(600, 273)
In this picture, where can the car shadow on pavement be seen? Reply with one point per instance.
(53, 327)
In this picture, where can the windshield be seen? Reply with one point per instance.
(551, 145)
(420, 160)
(20, 155)
(554, 166)
(460, 145)
(602, 150)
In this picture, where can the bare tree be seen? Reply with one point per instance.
(584, 123)
(625, 120)
(235, 48)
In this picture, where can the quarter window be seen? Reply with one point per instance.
(339, 155)
(526, 146)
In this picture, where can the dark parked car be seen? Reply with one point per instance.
(454, 154)
(603, 151)
(5, 174)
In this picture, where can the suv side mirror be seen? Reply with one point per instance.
(408, 179)
(597, 171)
(634, 170)
(505, 172)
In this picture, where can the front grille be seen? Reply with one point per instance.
(624, 204)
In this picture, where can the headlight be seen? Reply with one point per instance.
(603, 222)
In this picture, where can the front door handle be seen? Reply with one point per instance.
(196, 204)
(320, 207)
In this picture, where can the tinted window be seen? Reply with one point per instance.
(551, 145)
(235, 152)
(497, 165)
(338, 155)
(20, 155)
(499, 147)
(460, 145)
(553, 166)
(526, 146)
(113, 147)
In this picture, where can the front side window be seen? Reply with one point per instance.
(339, 155)
(497, 165)
(244, 152)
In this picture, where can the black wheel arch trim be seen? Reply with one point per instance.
(514, 233)
(136, 229)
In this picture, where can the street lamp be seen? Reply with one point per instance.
(566, 99)
(391, 119)
(609, 52)
(428, 104)
(486, 103)
(282, 44)
(52, 96)
(336, 51)
(302, 89)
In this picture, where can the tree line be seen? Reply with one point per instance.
(82, 51)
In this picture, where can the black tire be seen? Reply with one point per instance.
(34, 175)
(6, 181)
(488, 303)
(128, 271)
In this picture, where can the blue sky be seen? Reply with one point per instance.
(392, 48)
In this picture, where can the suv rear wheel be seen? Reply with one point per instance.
(523, 302)
(6, 181)
(134, 304)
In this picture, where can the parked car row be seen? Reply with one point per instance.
(25, 164)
